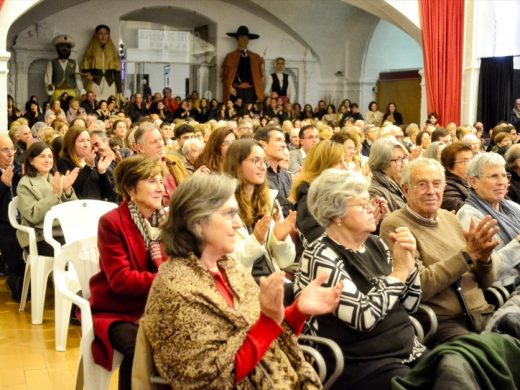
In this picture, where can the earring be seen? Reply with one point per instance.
(339, 224)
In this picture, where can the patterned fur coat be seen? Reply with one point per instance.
(195, 335)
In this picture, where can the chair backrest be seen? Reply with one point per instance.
(78, 219)
(84, 256)
(12, 213)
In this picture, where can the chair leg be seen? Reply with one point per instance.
(26, 283)
(39, 276)
(62, 308)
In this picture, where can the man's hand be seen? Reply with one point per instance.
(7, 176)
(232, 91)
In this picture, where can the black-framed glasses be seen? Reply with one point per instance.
(399, 160)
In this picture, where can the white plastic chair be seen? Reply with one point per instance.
(37, 269)
(78, 219)
(83, 254)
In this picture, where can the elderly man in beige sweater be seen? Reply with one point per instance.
(448, 256)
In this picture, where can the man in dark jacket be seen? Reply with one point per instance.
(12, 262)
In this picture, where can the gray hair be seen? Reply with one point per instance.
(330, 193)
(381, 153)
(468, 139)
(144, 127)
(189, 143)
(406, 177)
(431, 151)
(194, 200)
(480, 161)
(512, 155)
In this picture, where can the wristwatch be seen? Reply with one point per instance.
(467, 257)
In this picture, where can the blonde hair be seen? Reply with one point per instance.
(323, 156)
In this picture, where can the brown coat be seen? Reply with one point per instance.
(195, 335)
(229, 68)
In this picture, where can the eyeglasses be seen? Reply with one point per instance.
(463, 162)
(367, 206)
(499, 176)
(7, 149)
(399, 160)
(227, 143)
(423, 186)
(259, 162)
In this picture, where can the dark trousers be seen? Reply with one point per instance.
(247, 95)
(11, 251)
(122, 336)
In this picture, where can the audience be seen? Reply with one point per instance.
(92, 182)
(130, 254)
(201, 299)
(214, 152)
(272, 141)
(489, 180)
(386, 161)
(264, 243)
(457, 259)
(455, 159)
(455, 265)
(371, 324)
(513, 167)
(38, 190)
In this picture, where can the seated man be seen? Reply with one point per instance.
(447, 255)
(309, 136)
(272, 141)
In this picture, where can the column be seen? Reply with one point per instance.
(4, 58)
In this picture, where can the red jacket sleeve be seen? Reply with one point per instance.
(123, 257)
(260, 337)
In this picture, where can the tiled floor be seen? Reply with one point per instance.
(28, 360)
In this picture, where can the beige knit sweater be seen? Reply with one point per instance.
(440, 244)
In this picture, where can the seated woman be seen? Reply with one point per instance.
(40, 189)
(214, 151)
(371, 324)
(513, 167)
(130, 254)
(392, 115)
(325, 155)
(434, 150)
(349, 138)
(93, 181)
(455, 158)
(264, 243)
(488, 182)
(209, 325)
(386, 161)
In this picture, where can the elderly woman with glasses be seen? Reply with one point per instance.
(386, 161)
(455, 159)
(371, 324)
(209, 325)
(489, 182)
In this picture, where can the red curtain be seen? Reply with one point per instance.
(443, 37)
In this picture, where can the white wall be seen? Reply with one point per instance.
(390, 49)
(498, 27)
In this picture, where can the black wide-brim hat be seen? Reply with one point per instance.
(243, 30)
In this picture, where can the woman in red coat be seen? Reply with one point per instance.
(130, 254)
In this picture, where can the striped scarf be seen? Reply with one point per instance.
(149, 231)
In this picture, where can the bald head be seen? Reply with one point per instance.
(6, 151)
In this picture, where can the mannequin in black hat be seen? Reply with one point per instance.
(62, 74)
(241, 72)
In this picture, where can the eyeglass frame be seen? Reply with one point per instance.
(258, 160)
